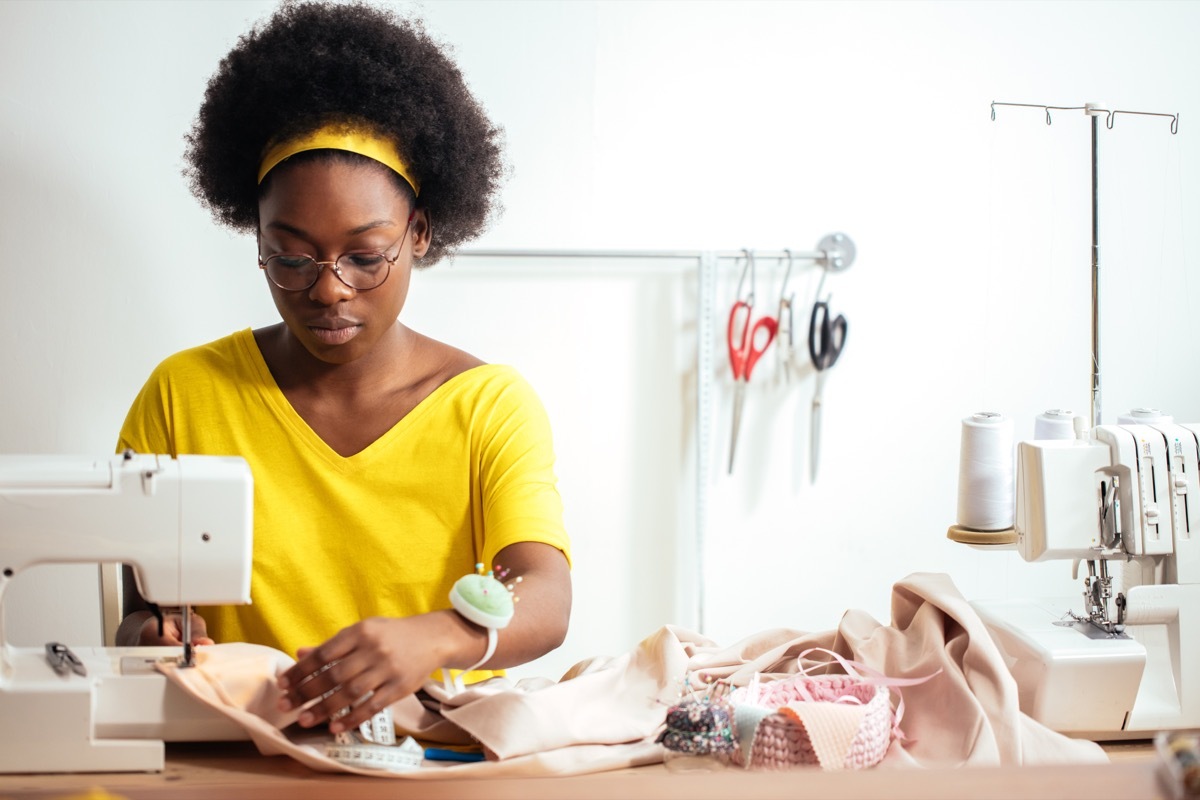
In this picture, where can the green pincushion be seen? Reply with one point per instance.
(483, 600)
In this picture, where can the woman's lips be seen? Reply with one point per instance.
(335, 333)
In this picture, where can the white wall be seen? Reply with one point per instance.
(667, 126)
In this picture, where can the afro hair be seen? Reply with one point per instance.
(313, 63)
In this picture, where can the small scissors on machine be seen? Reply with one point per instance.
(63, 660)
(826, 338)
(745, 347)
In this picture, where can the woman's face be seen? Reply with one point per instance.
(324, 209)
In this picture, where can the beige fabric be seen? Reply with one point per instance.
(605, 712)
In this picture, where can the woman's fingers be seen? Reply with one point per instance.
(350, 678)
(385, 690)
(199, 629)
(336, 692)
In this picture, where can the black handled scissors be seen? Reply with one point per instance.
(826, 338)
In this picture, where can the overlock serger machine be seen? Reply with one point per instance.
(1122, 660)
(185, 526)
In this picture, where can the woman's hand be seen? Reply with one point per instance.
(374, 663)
(370, 665)
(143, 626)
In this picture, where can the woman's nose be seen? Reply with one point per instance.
(329, 288)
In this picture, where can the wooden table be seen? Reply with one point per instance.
(231, 771)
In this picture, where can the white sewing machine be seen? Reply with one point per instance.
(185, 525)
(1121, 661)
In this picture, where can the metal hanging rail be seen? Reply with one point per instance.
(1094, 111)
(820, 256)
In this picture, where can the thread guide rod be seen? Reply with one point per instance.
(1094, 111)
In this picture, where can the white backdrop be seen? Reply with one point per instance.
(664, 125)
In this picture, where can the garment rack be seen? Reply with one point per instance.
(835, 251)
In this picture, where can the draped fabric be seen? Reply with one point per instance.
(606, 711)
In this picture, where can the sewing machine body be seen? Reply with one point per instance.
(114, 719)
(1121, 660)
(185, 525)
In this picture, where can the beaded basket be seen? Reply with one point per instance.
(811, 721)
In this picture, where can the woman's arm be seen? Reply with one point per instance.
(542, 613)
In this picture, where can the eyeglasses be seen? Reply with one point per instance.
(361, 270)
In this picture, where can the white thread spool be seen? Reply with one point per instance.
(1054, 424)
(1145, 416)
(985, 473)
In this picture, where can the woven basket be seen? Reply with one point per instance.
(811, 718)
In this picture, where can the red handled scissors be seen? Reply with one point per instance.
(745, 349)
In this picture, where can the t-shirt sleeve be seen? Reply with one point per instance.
(520, 495)
(147, 428)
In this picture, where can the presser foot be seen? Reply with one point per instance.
(1099, 621)
(1097, 591)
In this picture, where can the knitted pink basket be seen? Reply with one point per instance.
(833, 721)
(796, 735)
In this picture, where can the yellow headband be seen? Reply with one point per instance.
(336, 137)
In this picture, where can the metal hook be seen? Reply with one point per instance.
(749, 255)
(839, 253)
(821, 285)
(785, 332)
(787, 274)
(1174, 118)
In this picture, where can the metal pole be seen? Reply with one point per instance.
(705, 367)
(1095, 404)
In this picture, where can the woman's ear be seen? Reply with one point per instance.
(421, 231)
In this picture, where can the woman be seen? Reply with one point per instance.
(386, 464)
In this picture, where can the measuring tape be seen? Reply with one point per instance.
(373, 746)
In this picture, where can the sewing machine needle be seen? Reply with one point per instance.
(188, 654)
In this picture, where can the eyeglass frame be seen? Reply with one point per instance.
(337, 271)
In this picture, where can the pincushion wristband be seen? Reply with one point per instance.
(484, 600)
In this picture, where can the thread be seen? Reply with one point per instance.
(1145, 416)
(1054, 424)
(985, 473)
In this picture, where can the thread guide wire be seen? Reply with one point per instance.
(1091, 109)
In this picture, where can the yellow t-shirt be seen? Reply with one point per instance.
(384, 532)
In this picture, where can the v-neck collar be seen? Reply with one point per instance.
(273, 395)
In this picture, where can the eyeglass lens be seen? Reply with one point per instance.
(361, 270)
